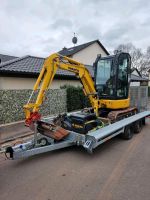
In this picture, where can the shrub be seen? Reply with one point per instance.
(76, 99)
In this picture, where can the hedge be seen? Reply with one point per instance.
(75, 98)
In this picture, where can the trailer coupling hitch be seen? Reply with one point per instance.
(9, 152)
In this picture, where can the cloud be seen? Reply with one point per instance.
(61, 23)
(42, 27)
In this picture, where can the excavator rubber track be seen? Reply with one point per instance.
(117, 115)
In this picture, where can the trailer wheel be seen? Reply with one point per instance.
(127, 134)
(137, 126)
(43, 141)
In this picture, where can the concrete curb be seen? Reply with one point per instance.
(13, 130)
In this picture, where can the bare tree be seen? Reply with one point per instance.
(146, 67)
(139, 60)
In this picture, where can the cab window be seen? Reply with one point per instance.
(122, 79)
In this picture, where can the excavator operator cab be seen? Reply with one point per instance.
(112, 76)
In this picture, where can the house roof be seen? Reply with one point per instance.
(26, 64)
(72, 50)
(138, 78)
(135, 69)
(5, 58)
(30, 65)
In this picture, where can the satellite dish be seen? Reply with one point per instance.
(74, 40)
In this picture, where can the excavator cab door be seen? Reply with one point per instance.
(112, 76)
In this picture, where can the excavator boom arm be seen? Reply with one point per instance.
(51, 65)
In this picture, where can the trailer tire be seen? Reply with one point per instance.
(137, 126)
(43, 142)
(127, 134)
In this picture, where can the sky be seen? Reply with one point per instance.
(42, 27)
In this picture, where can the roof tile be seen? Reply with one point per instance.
(28, 65)
(5, 58)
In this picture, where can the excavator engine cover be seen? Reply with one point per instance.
(81, 122)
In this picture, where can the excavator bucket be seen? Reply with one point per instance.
(51, 130)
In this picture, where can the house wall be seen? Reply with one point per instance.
(16, 83)
(88, 55)
(135, 83)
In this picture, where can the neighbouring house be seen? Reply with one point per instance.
(21, 73)
(137, 79)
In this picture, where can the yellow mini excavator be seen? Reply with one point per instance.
(110, 113)
(108, 92)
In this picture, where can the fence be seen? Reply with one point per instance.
(139, 97)
(12, 101)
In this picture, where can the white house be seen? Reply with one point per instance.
(21, 73)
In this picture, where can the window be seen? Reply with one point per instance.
(122, 82)
(104, 77)
(103, 71)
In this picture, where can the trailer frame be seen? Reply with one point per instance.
(89, 141)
